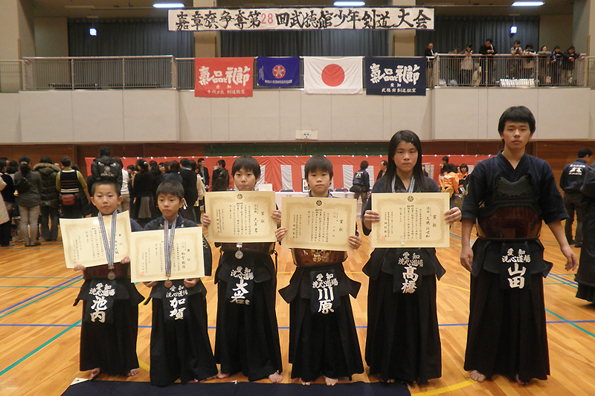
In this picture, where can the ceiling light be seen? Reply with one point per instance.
(527, 3)
(349, 3)
(92, 32)
(168, 5)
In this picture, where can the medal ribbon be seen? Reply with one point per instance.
(168, 243)
(108, 244)
(411, 185)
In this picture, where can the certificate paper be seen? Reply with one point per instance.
(83, 243)
(318, 223)
(410, 220)
(147, 259)
(241, 216)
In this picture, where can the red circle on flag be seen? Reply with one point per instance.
(333, 75)
(279, 71)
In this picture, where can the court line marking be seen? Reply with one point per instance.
(38, 348)
(39, 296)
(448, 388)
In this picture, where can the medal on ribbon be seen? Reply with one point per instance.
(168, 243)
(109, 244)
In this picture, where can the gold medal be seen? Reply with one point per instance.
(111, 275)
(168, 283)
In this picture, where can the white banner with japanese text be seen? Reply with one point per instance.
(301, 18)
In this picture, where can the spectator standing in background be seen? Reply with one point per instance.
(49, 198)
(570, 182)
(28, 185)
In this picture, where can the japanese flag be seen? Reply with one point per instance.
(333, 75)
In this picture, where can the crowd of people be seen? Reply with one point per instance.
(483, 68)
(36, 196)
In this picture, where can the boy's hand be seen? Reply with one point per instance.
(571, 259)
(190, 282)
(206, 221)
(150, 284)
(369, 218)
(452, 215)
(276, 215)
(355, 242)
(79, 267)
(466, 257)
(280, 234)
(125, 260)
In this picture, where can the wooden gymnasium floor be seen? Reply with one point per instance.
(39, 327)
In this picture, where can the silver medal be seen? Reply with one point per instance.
(239, 254)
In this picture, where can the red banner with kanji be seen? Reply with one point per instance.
(223, 77)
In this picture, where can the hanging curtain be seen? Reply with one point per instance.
(451, 32)
(128, 37)
(305, 43)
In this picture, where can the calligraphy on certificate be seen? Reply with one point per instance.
(410, 220)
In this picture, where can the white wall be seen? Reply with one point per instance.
(167, 115)
(556, 30)
(51, 36)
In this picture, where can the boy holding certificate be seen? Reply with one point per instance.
(247, 337)
(510, 195)
(110, 301)
(180, 346)
(322, 336)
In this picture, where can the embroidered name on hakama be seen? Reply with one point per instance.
(241, 293)
(324, 292)
(516, 271)
(175, 302)
(410, 263)
(101, 300)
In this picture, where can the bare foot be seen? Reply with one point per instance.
(518, 380)
(330, 381)
(275, 377)
(221, 375)
(132, 372)
(306, 383)
(477, 376)
(390, 381)
(94, 373)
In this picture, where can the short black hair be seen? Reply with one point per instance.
(200, 159)
(363, 165)
(445, 159)
(318, 163)
(464, 166)
(517, 114)
(106, 182)
(46, 159)
(221, 163)
(66, 161)
(383, 162)
(582, 153)
(172, 187)
(104, 151)
(185, 162)
(517, 42)
(248, 163)
(174, 167)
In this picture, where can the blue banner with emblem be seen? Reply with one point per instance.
(278, 72)
(395, 76)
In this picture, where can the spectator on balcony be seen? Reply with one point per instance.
(556, 59)
(429, 54)
(487, 62)
(529, 61)
(543, 60)
(568, 66)
(515, 63)
(467, 66)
